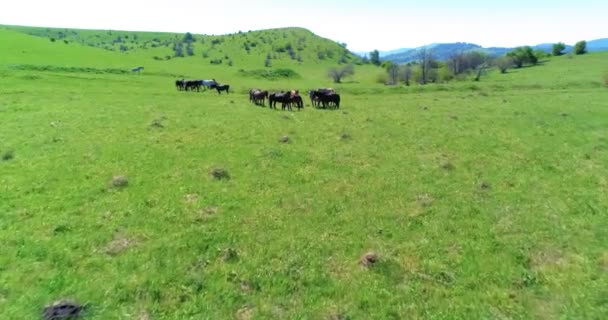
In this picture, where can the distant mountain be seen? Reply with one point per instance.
(548, 47)
(597, 45)
(392, 52)
(442, 51)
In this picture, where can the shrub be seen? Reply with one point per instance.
(580, 47)
(503, 63)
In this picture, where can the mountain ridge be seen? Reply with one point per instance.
(442, 51)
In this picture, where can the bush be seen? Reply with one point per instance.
(276, 74)
(503, 63)
(558, 49)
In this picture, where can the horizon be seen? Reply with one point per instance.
(362, 26)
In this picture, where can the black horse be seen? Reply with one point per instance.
(221, 87)
(192, 85)
(324, 98)
(180, 84)
(287, 99)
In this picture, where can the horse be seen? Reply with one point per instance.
(287, 99)
(275, 97)
(258, 96)
(180, 84)
(193, 84)
(221, 87)
(325, 98)
(137, 69)
(208, 84)
(251, 93)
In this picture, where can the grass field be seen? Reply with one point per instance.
(482, 200)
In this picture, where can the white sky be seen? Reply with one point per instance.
(363, 25)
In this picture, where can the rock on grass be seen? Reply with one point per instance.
(63, 309)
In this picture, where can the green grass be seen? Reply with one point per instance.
(482, 200)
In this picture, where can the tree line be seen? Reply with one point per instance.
(460, 65)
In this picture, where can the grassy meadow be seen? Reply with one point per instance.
(482, 200)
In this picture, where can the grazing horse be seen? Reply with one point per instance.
(325, 98)
(208, 84)
(193, 84)
(137, 69)
(180, 84)
(287, 99)
(251, 93)
(258, 96)
(221, 87)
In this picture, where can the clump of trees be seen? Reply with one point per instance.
(523, 56)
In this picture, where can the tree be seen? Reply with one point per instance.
(406, 74)
(338, 73)
(522, 55)
(188, 37)
(425, 59)
(178, 50)
(503, 63)
(558, 49)
(374, 57)
(189, 49)
(580, 47)
(392, 69)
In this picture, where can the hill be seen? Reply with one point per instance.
(286, 46)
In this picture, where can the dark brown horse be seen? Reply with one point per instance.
(287, 99)
(258, 96)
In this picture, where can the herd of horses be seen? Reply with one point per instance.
(324, 98)
(186, 85)
(320, 98)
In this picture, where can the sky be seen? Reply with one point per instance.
(362, 25)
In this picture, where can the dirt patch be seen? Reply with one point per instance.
(369, 259)
(446, 165)
(219, 173)
(206, 213)
(118, 245)
(119, 181)
(229, 255)
(337, 316)
(546, 258)
(157, 123)
(604, 261)
(484, 185)
(424, 200)
(144, 315)
(245, 313)
(191, 198)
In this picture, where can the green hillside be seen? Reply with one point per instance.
(480, 200)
